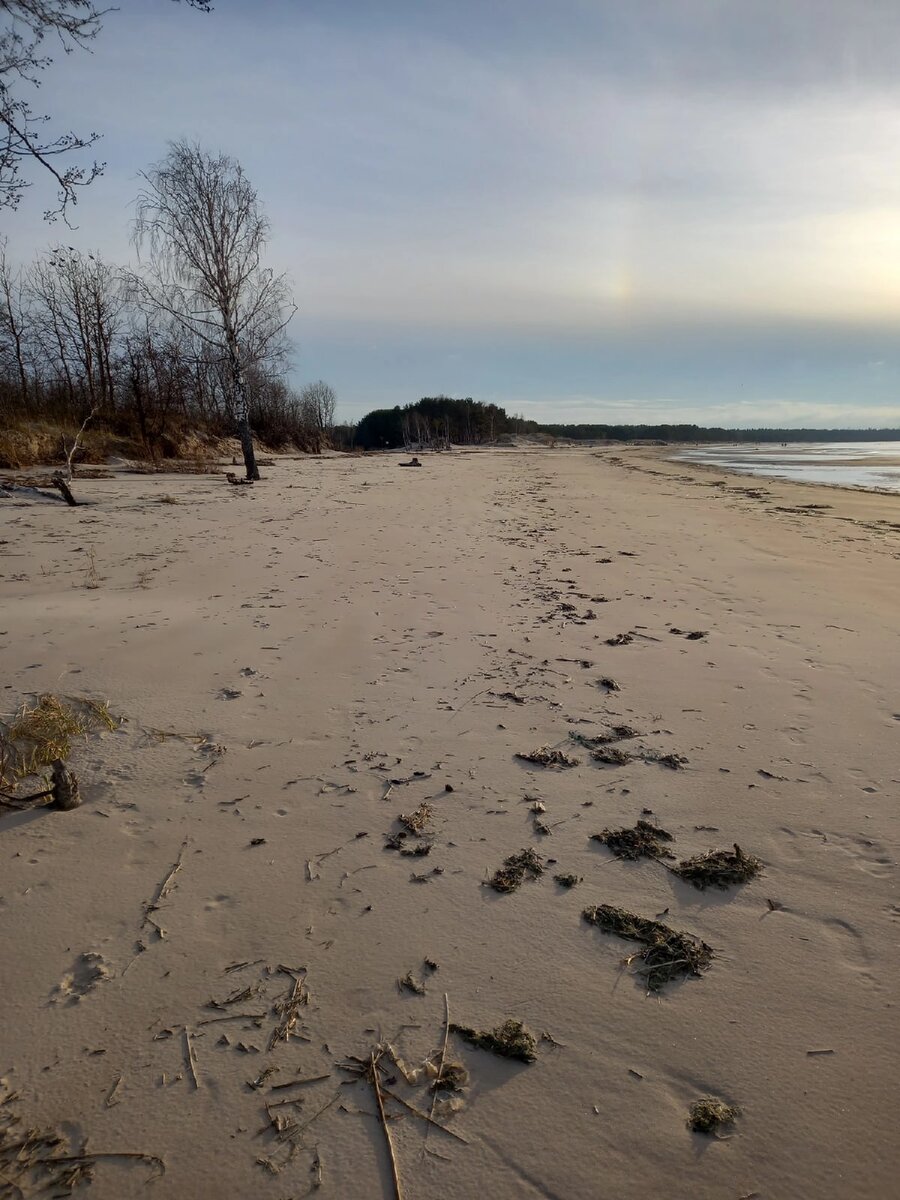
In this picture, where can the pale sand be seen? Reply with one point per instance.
(367, 616)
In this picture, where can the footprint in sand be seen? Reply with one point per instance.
(869, 854)
(849, 945)
(88, 970)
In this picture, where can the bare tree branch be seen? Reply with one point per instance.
(70, 25)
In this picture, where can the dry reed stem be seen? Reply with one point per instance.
(373, 1075)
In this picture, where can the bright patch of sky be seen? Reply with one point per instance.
(588, 210)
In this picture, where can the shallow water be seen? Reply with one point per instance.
(845, 464)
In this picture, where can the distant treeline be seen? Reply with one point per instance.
(702, 433)
(438, 421)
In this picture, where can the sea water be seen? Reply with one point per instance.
(873, 465)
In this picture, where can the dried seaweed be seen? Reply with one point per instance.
(642, 841)
(668, 955)
(567, 881)
(611, 756)
(398, 841)
(675, 762)
(709, 1114)
(620, 639)
(544, 756)
(510, 876)
(719, 868)
(408, 984)
(610, 684)
(509, 1040)
(416, 821)
(616, 733)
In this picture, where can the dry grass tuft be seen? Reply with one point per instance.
(42, 731)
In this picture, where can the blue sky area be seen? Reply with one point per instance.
(588, 210)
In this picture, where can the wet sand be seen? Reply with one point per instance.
(301, 662)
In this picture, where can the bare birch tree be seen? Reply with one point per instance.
(200, 220)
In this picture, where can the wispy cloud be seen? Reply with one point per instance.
(519, 171)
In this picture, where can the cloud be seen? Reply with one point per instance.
(505, 174)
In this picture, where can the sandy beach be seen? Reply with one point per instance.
(199, 962)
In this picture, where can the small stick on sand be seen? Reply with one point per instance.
(440, 1064)
(387, 1133)
(92, 1156)
(192, 1064)
(234, 1017)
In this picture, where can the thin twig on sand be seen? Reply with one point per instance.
(373, 1075)
(192, 1063)
(440, 1062)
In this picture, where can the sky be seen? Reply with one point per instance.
(585, 210)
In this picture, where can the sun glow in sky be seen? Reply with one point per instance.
(587, 210)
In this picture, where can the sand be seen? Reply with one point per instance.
(346, 623)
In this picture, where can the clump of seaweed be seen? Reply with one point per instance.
(719, 868)
(452, 1077)
(400, 841)
(673, 761)
(642, 841)
(567, 881)
(416, 821)
(509, 1040)
(667, 954)
(607, 681)
(408, 984)
(41, 732)
(509, 877)
(617, 733)
(611, 756)
(620, 639)
(709, 1114)
(544, 756)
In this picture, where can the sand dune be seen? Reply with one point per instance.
(301, 663)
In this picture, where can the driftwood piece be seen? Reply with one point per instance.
(64, 786)
(61, 486)
(13, 491)
(63, 792)
(413, 462)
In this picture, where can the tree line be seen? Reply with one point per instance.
(191, 341)
(436, 422)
